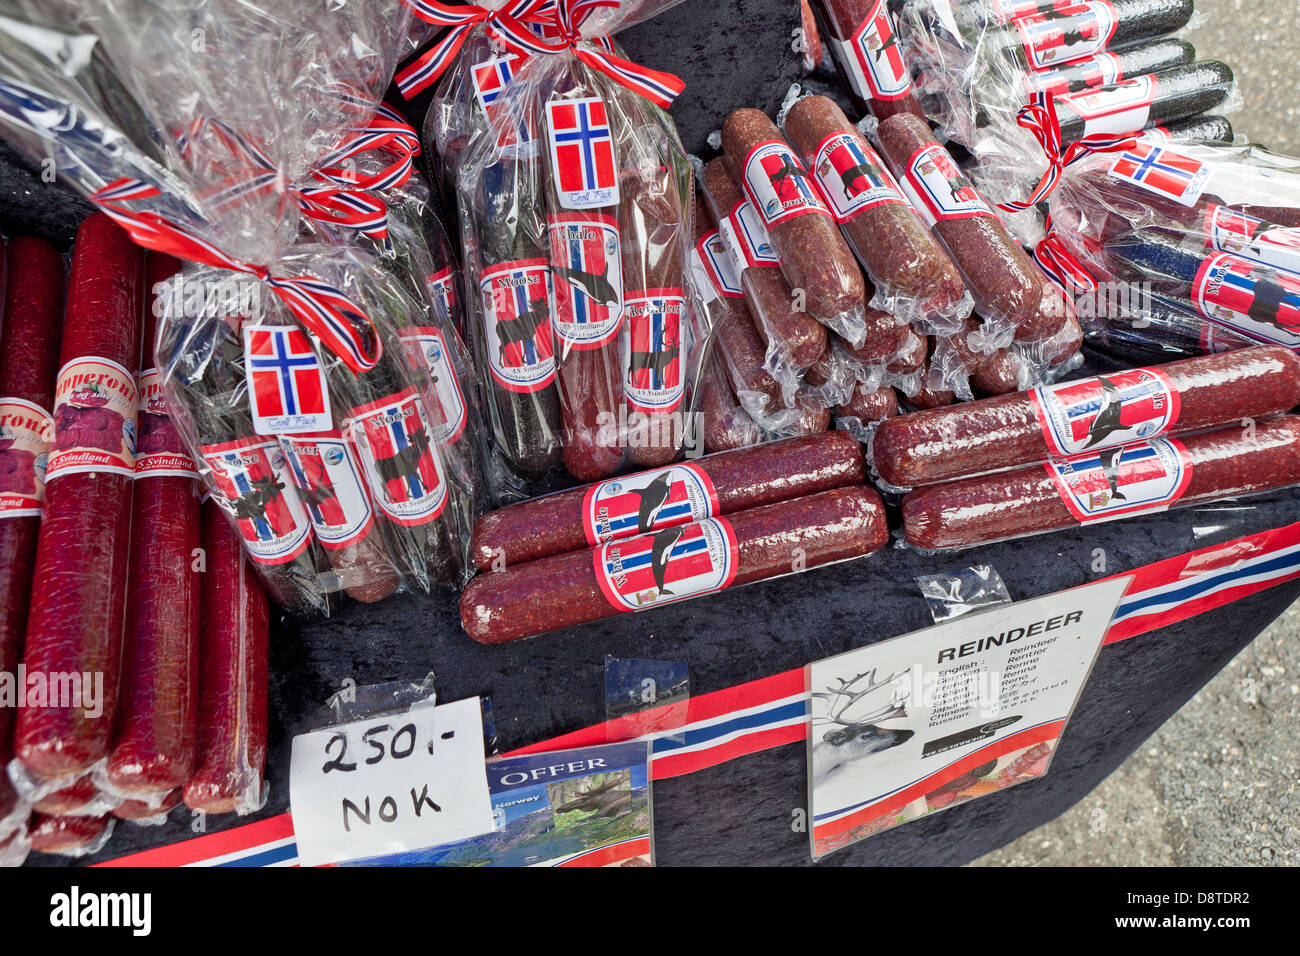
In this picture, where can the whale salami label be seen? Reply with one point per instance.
(1163, 171)
(746, 237)
(328, 477)
(1250, 299)
(938, 189)
(95, 406)
(1105, 411)
(1051, 38)
(668, 565)
(517, 320)
(427, 350)
(402, 465)
(252, 484)
(287, 393)
(587, 270)
(652, 347)
(1100, 70)
(1227, 230)
(442, 290)
(778, 185)
(872, 59)
(1125, 480)
(26, 431)
(717, 266)
(852, 178)
(638, 504)
(159, 450)
(1123, 107)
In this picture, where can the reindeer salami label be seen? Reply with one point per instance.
(287, 393)
(328, 477)
(1051, 38)
(95, 407)
(517, 320)
(652, 343)
(587, 270)
(1124, 480)
(852, 178)
(252, 484)
(668, 565)
(1100, 70)
(1248, 298)
(1105, 411)
(746, 237)
(778, 185)
(1227, 230)
(872, 59)
(718, 267)
(400, 459)
(442, 290)
(938, 189)
(427, 349)
(1162, 171)
(638, 504)
(26, 431)
(1124, 107)
(159, 450)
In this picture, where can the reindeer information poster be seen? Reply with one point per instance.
(931, 719)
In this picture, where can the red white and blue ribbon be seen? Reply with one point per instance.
(1060, 264)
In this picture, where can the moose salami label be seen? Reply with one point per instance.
(1114, 482)
(717, 265)
(587, 270)
(1227, 230)
(1246, 297)
(1100, 70)
(399, 457)
(938, 189)
(852, 178)
(1124, 107)
(1004, 11)
(159, 450)
(287, 393)
(652, 344)
(26, 431)
(517, 320)
(778, 185)
(1105, 411)
(442, 290)
(872, 59)
(95, 407)
(1162, 171)
(746, 237)
(252, 484)
(427, 349)
(638, 504)
(582, 153)
(668, 565)
(1051, 38)
(328, 478)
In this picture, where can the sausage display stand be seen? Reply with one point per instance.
(728, 774)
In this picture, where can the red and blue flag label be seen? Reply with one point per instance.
(1125, 480)
(442, 292)
(517, 321)
(1246, 297)
(1162, 171)
(328, 477)
(1051, 38)
(286, 383)
(746, 237)
(638, 504)
(582, 153)
(253, 486)
(668, 565)
(718, 266)
(1230, 230)
(852, 177)
(653, 347)
(939, 190)
(400, 458)
(587, 270)
(426, 348)
(872, 58)
(491, 80)
(1105, 411)
(778, 185)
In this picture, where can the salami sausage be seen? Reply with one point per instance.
(231, 744)
(997, 375)
(67, 835)
(811, 415)
(638, 504)
(1056, 420)
(29, 363)
(865, 45)
(71, 799)
(564, 590)
(1108, 67)
(1134, 479)
(813, 254)
(153, 743)
(79, 587)
(147, 810)
(870, 404)
(1000, 277)
(727, 426)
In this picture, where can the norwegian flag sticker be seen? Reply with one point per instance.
(872, 58)
(1128, 479)
(325, 471)
(1162, 171)
(491, 80)
(582, 153)
(286, 384)
(668, 565)
(1106, 411)
(1253, 300)
(400, 459)
(852, 178)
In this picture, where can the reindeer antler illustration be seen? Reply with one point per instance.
(840, 699)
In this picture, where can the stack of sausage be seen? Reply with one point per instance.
(144, 645)
(1126, 443)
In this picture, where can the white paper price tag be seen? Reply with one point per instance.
(390, 784)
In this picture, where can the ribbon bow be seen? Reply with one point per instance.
(1061, 265)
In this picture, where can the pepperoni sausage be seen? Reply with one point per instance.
(70, 799)
(148, 811)
(71, 836)
(79, 587)
(1125, 480)
(564, 590)
(1189, 395)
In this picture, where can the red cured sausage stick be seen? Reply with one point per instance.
(868, 53)
(870, 404)
(1193, 394)
(68, 800)
(569, 589)
(153, 744)
(142, 810)
(232, 677)
(1128, 480)
(67, 835)
(727, 426)
(582, 518)
(29, 362)
(79, 588)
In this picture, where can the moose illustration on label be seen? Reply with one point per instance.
(939, 189)
(872, 59)
(328, 479)
(778, 185)
(653, 349)
(400, 459)
(852, 177)
(1249, 297)
(517, 319)
(251, 486)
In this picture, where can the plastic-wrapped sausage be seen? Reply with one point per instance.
(1142, 101)
(146, 811)
(904, 261)
(232, 678)
(870, 404)
(69, 836)
(814, 256)
(638, 504)
(674, 563)
(1120, 481)
(79, 586)
(727, 425)
(864, 44)
(811, 415)
(1108, 66)
(74, 799)
(1087, 415)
